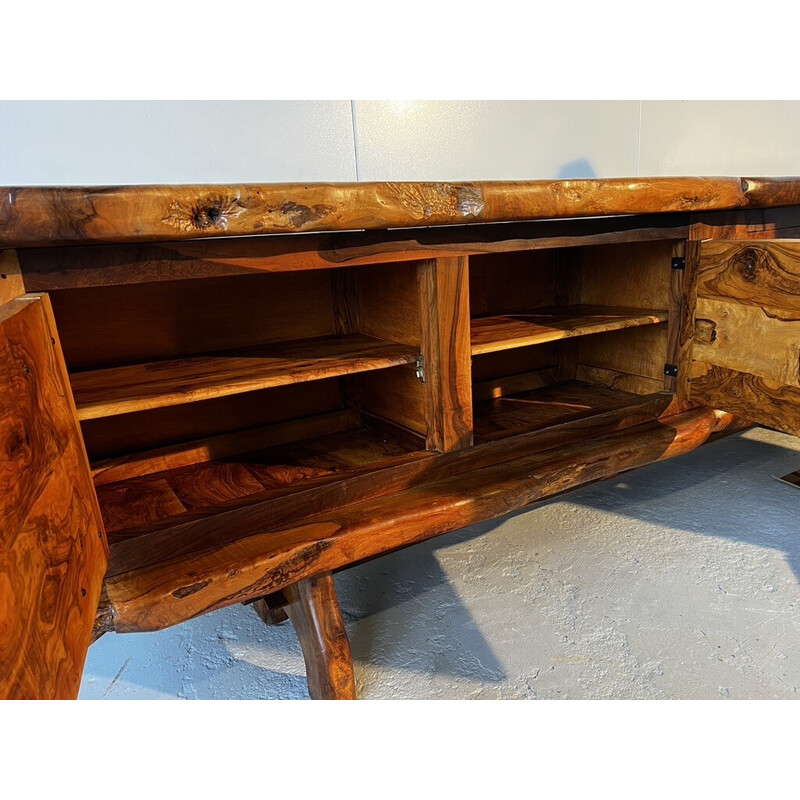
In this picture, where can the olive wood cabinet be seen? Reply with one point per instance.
(217, 395)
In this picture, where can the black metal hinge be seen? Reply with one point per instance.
(679, 263)
(671, 370)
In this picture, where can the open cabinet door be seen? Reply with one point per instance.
(742, 331)
(53, 552)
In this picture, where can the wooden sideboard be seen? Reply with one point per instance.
(215, 395)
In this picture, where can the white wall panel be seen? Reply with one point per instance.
(98, 142)
(494, 140)
(757, 138)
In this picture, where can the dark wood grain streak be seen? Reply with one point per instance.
(252, 566)
(108, 265)
(313, 609)
(161, 213)
(52, 546)
(151, 544)
(121, 390)
(49, 215)
(444, 322)
(760, 400)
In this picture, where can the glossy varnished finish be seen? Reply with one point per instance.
(121, 390)
(52, 548)
(264, 410)
(490, 334)
(444, 321)
(252, 566)
(30, 216)
(745, 330)
(313, 608)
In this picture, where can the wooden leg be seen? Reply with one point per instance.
(314, 611)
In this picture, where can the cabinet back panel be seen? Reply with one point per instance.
(513, 362)
(388, 302)
(511, 282)
(143, 430)
(636, 275)
(637, 351)
(113, 325)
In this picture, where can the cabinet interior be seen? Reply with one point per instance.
(198, 396)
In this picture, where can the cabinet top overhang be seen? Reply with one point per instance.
(36, 216)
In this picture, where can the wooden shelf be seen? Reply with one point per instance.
(119, 390)
(556, 404)
(144, 502)
(490, 334)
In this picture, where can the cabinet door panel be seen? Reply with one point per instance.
(53, 552)
(744, 355)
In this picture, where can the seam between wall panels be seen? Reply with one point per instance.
(354, 117)
(638, 142)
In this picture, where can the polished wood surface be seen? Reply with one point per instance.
(121, 390)
(544, 407)
(313, 608)
(32, 215)
(246, 566)
(52, 547)
(209, 486)
(490, 334)
(745, 339)
(444, 320)
(78, 266)
(263, 410)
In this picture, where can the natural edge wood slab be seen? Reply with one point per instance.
(179, 588)
(137, 387)
(32, 216)
(491, 334)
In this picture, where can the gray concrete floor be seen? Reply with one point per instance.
(679, 580)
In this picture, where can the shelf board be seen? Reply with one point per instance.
(137, 387)
(143, 502)
(556, 404)
(491, 334)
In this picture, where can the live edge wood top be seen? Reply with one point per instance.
(31, 216)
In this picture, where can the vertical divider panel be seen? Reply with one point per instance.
(674, 322)
(445, 349)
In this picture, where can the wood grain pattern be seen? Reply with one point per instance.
(444, 321)
(147, 546)
(252, 566)
(121, 390)
(675, 308)
(754, 398)
(490, 334)
(31, 216)
(508, 283)
(250, 475)
(749, 338)
(11, 284)
(313, 608)
(52, 547)
(511, 415)
(625, 381)
(758, 273)
(109, 265)
(745, 330)
(222, 446)
(493, 388)
(117, 325)
(141, 431)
